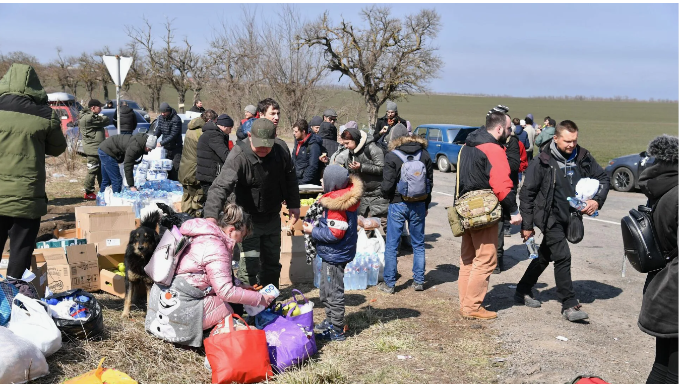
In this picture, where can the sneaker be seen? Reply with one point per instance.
(383, 287)
(574, 314)
(320, 327)
(480, 313)
(417, 286)
(90, 196)
(527, 300)
(332, 334)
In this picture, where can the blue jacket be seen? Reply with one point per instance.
(306, 159)
(522, 136)
(336, 233)
(242, 132)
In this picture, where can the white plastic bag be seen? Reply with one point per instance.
(34, 324)
(374, 245)
(20, 360)
(586, 188)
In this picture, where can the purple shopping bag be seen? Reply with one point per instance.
(288, 343)
(305, 320)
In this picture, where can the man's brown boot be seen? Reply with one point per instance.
(480, 313)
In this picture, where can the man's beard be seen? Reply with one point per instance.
(503, 139)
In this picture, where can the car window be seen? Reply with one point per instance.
(61, 112)
(422, 132)
(461, 135)
(451, 134)
(140, 118)
(435, 134)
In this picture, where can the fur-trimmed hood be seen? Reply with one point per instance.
(362, 142)
(345, 198)
(405, 140)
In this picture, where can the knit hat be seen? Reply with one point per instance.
(391, 106)
(335, 177)
(94, 103)
(225, 120)
(316, 121)
(351, 124)
(530, 116)
(664, 148)
(151, 142)
(165, 107)
(250, 108)
(330, 113)
(398, 131)
(356, 134)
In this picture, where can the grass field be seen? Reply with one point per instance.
(607, 128)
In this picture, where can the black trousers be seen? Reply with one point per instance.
(665, 369)
(22, 233)
(558, 253)
(176, 156)
(332, 293)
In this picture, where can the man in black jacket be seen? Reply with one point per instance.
(212, 150)
(128, 119)
(306, 154)
(659, 312)
(402, 146)
(550, 180)
(328, 132)
(198, 107)
(170, 126)
(513, 155)
(383, 126)
(261, 174)
(124, 149)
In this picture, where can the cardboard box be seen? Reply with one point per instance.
(76, 268)
(83, 216)
(292, 243)
(110, 230)
(111, 282)
(285, 217)
(39, 269)
(65, 234)
(294, 269)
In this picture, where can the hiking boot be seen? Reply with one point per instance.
(574, 314)
(499, 266)
(480, 313)
(332, 334)
(382, 286)
(320, 327)
(527, 300)
(417, 286)
(90, 196)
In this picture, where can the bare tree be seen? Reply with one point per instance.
(293, 72)
(150, 69)
(199, 75)
(6, 61)
(387, 58)
(65, 72)
(89, 74)
(104, 77)
(178, 62)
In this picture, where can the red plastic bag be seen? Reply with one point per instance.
(239, 356)
(588, 380)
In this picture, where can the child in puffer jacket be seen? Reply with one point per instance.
(336, 237)
(206, 264)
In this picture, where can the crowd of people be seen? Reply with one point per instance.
(235, 192)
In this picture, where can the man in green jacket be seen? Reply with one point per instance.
(29, 130)
(546, 135)
(192, 199)
(92, 126)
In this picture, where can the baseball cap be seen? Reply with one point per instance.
(329, 112)
(262, 133)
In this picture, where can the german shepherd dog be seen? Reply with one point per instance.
(140, 248)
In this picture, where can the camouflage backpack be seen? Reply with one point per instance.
(476, 209)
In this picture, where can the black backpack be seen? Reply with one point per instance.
(640, 245)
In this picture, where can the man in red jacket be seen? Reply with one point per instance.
(484, 165)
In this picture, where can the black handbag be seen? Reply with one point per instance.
(575, 230)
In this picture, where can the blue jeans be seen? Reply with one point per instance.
(110, 173)
(397, 214)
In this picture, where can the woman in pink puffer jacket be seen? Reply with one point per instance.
(207, 263)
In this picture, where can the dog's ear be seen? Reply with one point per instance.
(133, 237)
(151, 220)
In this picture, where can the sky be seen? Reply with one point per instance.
(522, 50)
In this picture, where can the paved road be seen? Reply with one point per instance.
(609, 345)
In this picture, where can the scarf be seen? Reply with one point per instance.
(313, 215)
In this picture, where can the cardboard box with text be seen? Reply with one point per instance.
(74, 268)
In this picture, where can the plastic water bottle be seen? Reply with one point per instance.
(317, 271)
(579, 205)
(531, 246)
(374, 271)
(100, 199)
(363, 274)
(346, 278)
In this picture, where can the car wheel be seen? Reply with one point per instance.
(443, 164)
(622, 179)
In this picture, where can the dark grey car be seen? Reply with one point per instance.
(624, 171)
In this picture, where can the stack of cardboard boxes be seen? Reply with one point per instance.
(295, 269)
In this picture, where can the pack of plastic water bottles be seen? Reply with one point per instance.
(148, 193)
(361, 273)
